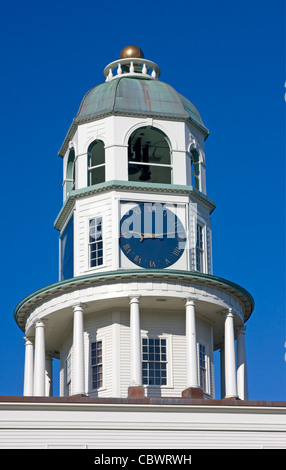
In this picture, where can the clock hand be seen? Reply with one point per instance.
(154, 235)
(138, 233)
(145, 235)
(151, 235)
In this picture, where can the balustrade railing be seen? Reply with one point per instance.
(138, 67)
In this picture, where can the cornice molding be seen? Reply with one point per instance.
(73, 127)
(133, 186)
(45, 293)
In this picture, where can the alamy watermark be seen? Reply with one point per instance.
(149, 220)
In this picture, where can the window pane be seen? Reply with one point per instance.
(150, 173)
(199, 236)
(96, 154)
(152, 153)
(95, 242)
(96, 363)
(67, 258)
(97, 175)
(154, 366)
(148, 145)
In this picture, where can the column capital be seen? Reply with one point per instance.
(190, 301)
(77, 305)
(28, 340)
(39, 323)
(134, 298)
(229, 312)
(240, 330)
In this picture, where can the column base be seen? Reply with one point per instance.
(193, 392)
(136, 391)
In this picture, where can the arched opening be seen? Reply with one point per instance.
(96, 163)
(195, 169)
(149, 156)
(70, 174)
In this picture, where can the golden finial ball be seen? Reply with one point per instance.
(131, 52)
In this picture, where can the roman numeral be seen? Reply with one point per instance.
(137, 211)
(177, 251)
(127, 248)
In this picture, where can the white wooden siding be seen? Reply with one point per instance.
(86, 209)
(102, 426)
(112, 328)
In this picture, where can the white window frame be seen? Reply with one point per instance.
(96, 389)
(90, 169)
(95, 339)
(195, 166)
(95, 217)
(207, 388)
(200, 250)
(169, 360)
(60, 242)
(154, 164)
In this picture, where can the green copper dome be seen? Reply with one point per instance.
(137, 96)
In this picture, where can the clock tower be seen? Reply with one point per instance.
(137, 310)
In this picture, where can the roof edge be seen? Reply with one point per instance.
(86, 279)
(161, 401)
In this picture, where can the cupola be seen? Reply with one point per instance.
(137, 311)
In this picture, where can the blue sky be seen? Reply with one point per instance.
(228, 59)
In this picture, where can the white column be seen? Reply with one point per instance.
(39, 368)
(78, 351)
(49, 375)
(242, 383)
(191, 345)
(229, 356)
(135, 344)
(29, 367)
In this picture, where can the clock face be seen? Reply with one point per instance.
(152, 236)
